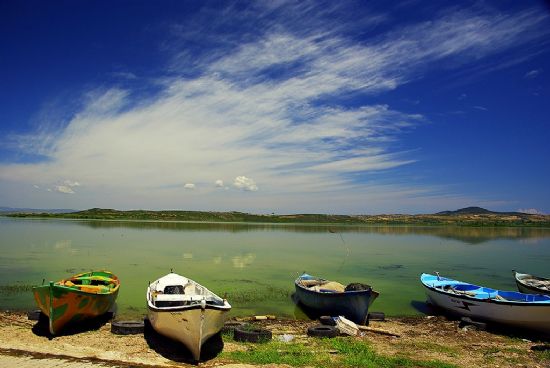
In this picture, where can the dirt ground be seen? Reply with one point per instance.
(420, 338)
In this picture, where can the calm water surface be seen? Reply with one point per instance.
(255, 264)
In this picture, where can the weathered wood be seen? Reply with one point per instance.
(378, 331)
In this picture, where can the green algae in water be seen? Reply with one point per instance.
(6, 290)
(255, 265)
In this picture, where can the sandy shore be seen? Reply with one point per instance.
(421, 338)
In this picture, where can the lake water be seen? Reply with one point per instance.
(256, 264)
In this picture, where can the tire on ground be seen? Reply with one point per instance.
(127, 327)
(34, 315)
(323, 331)
(327, 320)
(230, 326)
(249, 333)
(478, 325)
(377, 316)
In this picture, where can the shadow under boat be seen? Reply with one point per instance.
(429, 309)
(176, 351)
(41, 327)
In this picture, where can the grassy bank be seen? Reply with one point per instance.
(338, 352)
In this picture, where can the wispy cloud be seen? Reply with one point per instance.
(532, 73)
(260, 108)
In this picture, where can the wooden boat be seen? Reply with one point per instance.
(481, 303)
(331, 298)
(82, 296)
(185, 311)
(530, 284)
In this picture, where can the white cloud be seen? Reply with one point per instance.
(71, 183)
(242, 182)
(219, 183)
(64, 189)
(531, 211)
(36, 186)
(189, 186)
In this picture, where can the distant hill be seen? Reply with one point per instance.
(6, 210)
(479, 211)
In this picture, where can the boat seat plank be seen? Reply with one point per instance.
(178, 297)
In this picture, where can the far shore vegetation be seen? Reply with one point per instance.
(471, 216)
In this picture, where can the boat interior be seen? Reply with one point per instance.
(91, 284)
(536, 282)
(479, 292)
(322, 286)
(166, 296)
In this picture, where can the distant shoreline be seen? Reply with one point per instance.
(488, 219)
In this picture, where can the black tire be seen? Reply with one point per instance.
(327, 321)
(467, 321)
(230, 326)
(323, 331)
(127, 327)
(357, 286)
(377, 316)
(249, 333)
(34, 315)
(543, 347)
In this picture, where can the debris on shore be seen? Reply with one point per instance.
(420, 338)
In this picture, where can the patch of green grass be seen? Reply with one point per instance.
(326, 353)
(274, 352)
(543, 356)
(359, 354)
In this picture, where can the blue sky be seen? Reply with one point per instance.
(279, 106)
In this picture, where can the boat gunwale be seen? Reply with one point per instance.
(335, 294)
(182, 308)
(78, 291)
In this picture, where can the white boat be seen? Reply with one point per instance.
(530, 284)
(185, 311)
(511, 308)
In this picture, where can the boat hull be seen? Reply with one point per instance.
(63, 305)
(533, 316)
(190, 326)
(353, 305)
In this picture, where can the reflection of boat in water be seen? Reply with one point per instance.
(332, 298)
(185, 311)
(530, 284)
(486, 304)
(79, 297)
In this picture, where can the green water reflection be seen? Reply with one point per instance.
(255, 264)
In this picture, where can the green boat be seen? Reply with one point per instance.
(82, 296)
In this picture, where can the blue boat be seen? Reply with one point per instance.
(480, 303)
(333, 299)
